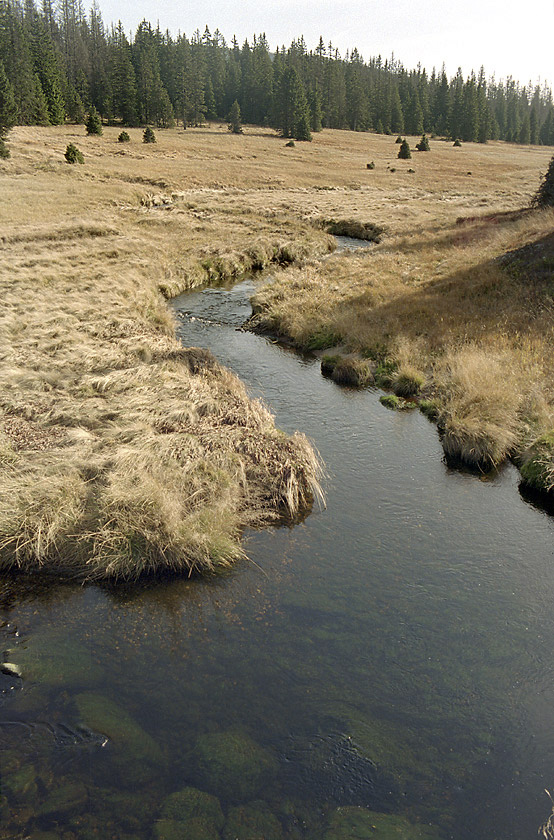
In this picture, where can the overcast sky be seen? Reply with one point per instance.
(508, 37)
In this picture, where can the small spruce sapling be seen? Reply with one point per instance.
(404, 152)
(93, 123)
(148, 136)
(457, 142)
(423, 145)
(73, 154)
(234, 118)
(124, 137)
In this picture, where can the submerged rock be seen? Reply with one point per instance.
(252, 822)
(232, 765)
(137, 756)
(194, 829)
(354, 823)
(189, 803)
(55, 660)
(72, 796)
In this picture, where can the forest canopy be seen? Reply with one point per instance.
(61, 63)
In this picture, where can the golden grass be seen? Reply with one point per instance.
(120, 452)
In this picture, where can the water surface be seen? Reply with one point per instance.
(393, 650)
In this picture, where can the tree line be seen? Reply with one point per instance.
(58, 63)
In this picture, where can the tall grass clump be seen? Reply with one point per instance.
(481, 409)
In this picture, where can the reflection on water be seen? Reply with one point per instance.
(393, 651)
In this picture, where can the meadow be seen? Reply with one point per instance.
(124, 453)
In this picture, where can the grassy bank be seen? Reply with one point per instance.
(120, 451)
(452, 308)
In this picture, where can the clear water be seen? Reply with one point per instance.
(394, 650)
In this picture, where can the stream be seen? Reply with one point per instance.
(392, 651)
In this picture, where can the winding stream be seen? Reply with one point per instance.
(394, 650)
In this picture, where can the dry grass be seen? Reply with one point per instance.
(120, 452)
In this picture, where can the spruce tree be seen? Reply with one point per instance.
(404, 152)
(235, 124)
(544, 196)
(423, 145)
(8, 111)
(93, 123)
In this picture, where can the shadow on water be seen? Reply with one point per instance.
(392, 651)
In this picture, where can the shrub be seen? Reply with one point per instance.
(423, 145)
(370, 165)
(404, 152)
(93, 123)
(457, 142)
(544, 196)
(148, 136)
(290, 144)
(398, 139)
(73, 155)
(4, 151)
(123, 138)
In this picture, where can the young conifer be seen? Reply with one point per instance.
(404, 152)
(148, 136)
(544, 196)
(234, 118)
(93, 123)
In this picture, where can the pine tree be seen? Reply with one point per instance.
(423, 145)
(8, 111)
(235, 124)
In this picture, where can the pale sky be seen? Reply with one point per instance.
(508, 37)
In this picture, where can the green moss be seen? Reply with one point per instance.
(537, 464)
(321, 339)
(254, 821)
(384, 372)
(191, 803)
(396, 403)
(354, 823)
(328, 363)
(430, 409)
(232, 765)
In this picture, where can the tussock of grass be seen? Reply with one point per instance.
(354, 372)
(354, 229)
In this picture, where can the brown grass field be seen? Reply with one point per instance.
(123, 453)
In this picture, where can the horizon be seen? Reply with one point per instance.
(507, 44)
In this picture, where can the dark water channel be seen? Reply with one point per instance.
(392, 651)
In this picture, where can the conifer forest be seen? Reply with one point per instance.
(57, 62)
